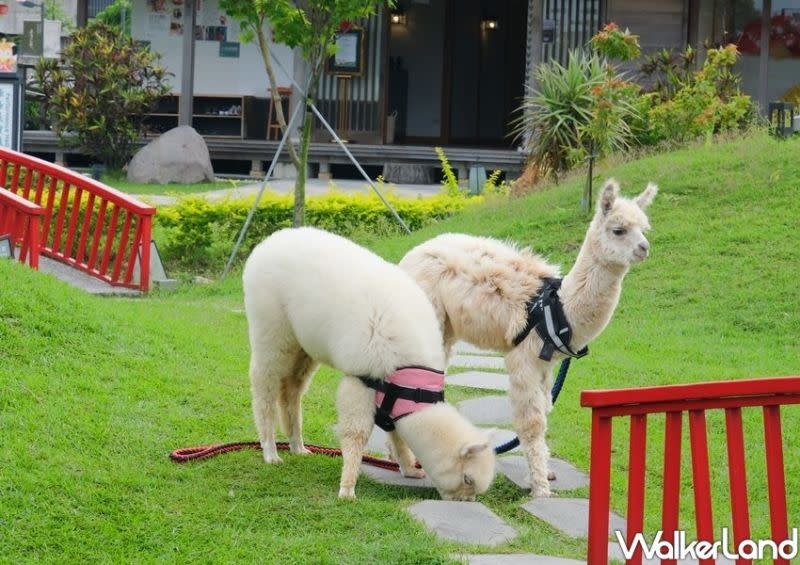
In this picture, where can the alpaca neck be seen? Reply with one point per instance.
(590, 293)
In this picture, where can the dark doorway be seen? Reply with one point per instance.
(457, 70)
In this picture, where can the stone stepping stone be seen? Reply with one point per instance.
(487, 410)
(615, 552)
(464, 522)
(387, 477)
(570, 515)
(500, 436)
(479, 379)
(567, 476)
(519, 559)
(377, 441)
(469, 349)
(477, 362)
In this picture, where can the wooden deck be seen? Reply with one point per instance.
(324, 154)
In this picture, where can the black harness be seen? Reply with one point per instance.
(546, 316)
(391, 392)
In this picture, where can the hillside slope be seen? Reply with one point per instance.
(95, 392)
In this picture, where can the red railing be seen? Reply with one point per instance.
(673, 401)
(19, 219)
(87, 225)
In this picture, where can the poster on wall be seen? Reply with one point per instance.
(11, 111)
(349, 57)
(6, 114)
(213, 24)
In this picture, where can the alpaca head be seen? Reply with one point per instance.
(618, 228)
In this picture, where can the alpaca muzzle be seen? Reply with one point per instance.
(407, 390)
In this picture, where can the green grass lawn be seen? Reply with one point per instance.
(121, 183)
(94, 393)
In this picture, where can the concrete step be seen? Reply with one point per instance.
(568, 477)
(570, 515)
(479, 379)
(463, 522)
(478, 362)
(487, 410)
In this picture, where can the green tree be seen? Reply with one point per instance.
(117, 15)
(98, 99)
(311, 26)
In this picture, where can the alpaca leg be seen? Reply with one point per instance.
(293, 387)
(356, 407)
(265, 382)
(401, 453)
(529, 409)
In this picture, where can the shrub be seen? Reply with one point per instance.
(581, 107)
(613, 43)
(708, 102)
(669, 71)
(199, 235)
(98, 100)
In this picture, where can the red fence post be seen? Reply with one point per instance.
(776, 480)
(700, 478)
(599, 489)
(636, 473)
(670, 506)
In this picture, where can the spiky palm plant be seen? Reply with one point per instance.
(582, 105)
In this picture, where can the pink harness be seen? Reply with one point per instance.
(407, 390)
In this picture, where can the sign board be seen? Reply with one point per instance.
(229, 49)
(349, 58)
(11, 102)
(6, 247)
(32, 38)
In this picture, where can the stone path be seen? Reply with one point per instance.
(81, 280)
(471, 522)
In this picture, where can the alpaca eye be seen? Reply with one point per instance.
(619, 231)
(467, 480)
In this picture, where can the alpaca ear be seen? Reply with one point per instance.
(608, 196)
(646, 197)
(471, 450)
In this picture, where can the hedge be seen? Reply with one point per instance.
(198, 235)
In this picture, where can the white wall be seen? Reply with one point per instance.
(12, 22)
(212, 74)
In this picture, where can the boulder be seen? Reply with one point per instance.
(179, 155)
(408, 173)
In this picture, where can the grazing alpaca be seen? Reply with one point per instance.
(480, 288)
(312, 297)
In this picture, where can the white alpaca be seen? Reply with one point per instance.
(480, 288)
(312, 297)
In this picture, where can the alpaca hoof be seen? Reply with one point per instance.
(551, 476)
(272, 458)
(347, 493)
(414, 473)
(301, 450)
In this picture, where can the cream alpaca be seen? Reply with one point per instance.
(312, 297)
(480, 287)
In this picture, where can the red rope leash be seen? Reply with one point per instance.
(187, 454)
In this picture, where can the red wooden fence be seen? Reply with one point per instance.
(19, 219)
(673, 401)
(86, 224)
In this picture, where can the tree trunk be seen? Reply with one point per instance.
(305, 143)
(300, 184)
(263, 46)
